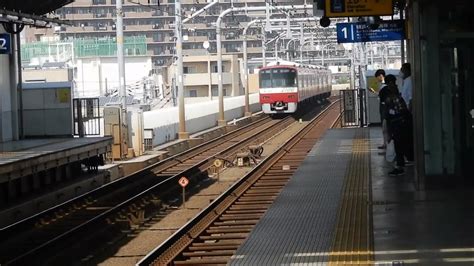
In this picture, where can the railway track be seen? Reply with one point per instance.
(106, 213)
(216, 233)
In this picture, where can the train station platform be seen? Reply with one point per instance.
(342, 208)
(34, 165)
(24, 157)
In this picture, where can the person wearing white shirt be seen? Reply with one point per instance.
(382, 92)
(406, 93)
(407, 87)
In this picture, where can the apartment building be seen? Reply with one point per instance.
(200, 76)
(154, 19)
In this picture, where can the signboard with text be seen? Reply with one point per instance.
(390, 30)
(358, 8)
(5, 43)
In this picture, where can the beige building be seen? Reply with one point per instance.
(200, 76)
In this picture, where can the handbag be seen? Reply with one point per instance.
(390, 152)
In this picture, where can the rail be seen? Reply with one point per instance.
(176, 244)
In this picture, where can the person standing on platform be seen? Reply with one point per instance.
(398, 122)
(382, 92)
(407, 87)
(407, 92)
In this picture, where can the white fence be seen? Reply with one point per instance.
(199, 116)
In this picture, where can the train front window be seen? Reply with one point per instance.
(265, 79)
(276, 78)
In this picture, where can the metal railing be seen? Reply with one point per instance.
(353, 108)
(87, 117)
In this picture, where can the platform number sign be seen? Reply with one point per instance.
(5, 43)
(345, 32)
(388, 30)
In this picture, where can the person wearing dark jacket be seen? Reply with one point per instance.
(382, 92)
(399, 124)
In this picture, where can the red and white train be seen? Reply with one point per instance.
(284, 85)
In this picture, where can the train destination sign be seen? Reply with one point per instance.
(5, 43)
(390, 30)
(358, 8)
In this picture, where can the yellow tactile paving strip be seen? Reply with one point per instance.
(353, 242)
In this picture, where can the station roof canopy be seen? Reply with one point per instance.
(33, 6)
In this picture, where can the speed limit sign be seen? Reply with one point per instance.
(183, 181)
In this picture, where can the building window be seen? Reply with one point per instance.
(193, 93)
(214, 90)
(215, 69)
(188, 70)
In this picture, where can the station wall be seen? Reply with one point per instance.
(199, 116)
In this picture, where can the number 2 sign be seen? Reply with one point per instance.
(5, 42)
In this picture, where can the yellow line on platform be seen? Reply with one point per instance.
(353, 242)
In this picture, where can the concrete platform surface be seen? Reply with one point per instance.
(23, 157)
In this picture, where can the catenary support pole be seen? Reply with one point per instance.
(120, 59)
(246, 72)
(182, 133)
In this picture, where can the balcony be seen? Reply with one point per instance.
(187, 52)
(200, 79)
(197, 39)
(80, 29)
(139, 27)
(131, 15)
(198, 26)
(79, 16)
(254, 50)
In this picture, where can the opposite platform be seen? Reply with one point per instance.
(24, 157)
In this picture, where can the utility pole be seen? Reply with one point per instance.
(120, 59)
(353, 67)
(264, 47)
(301, 42)
(246, 72)
(182, 134)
